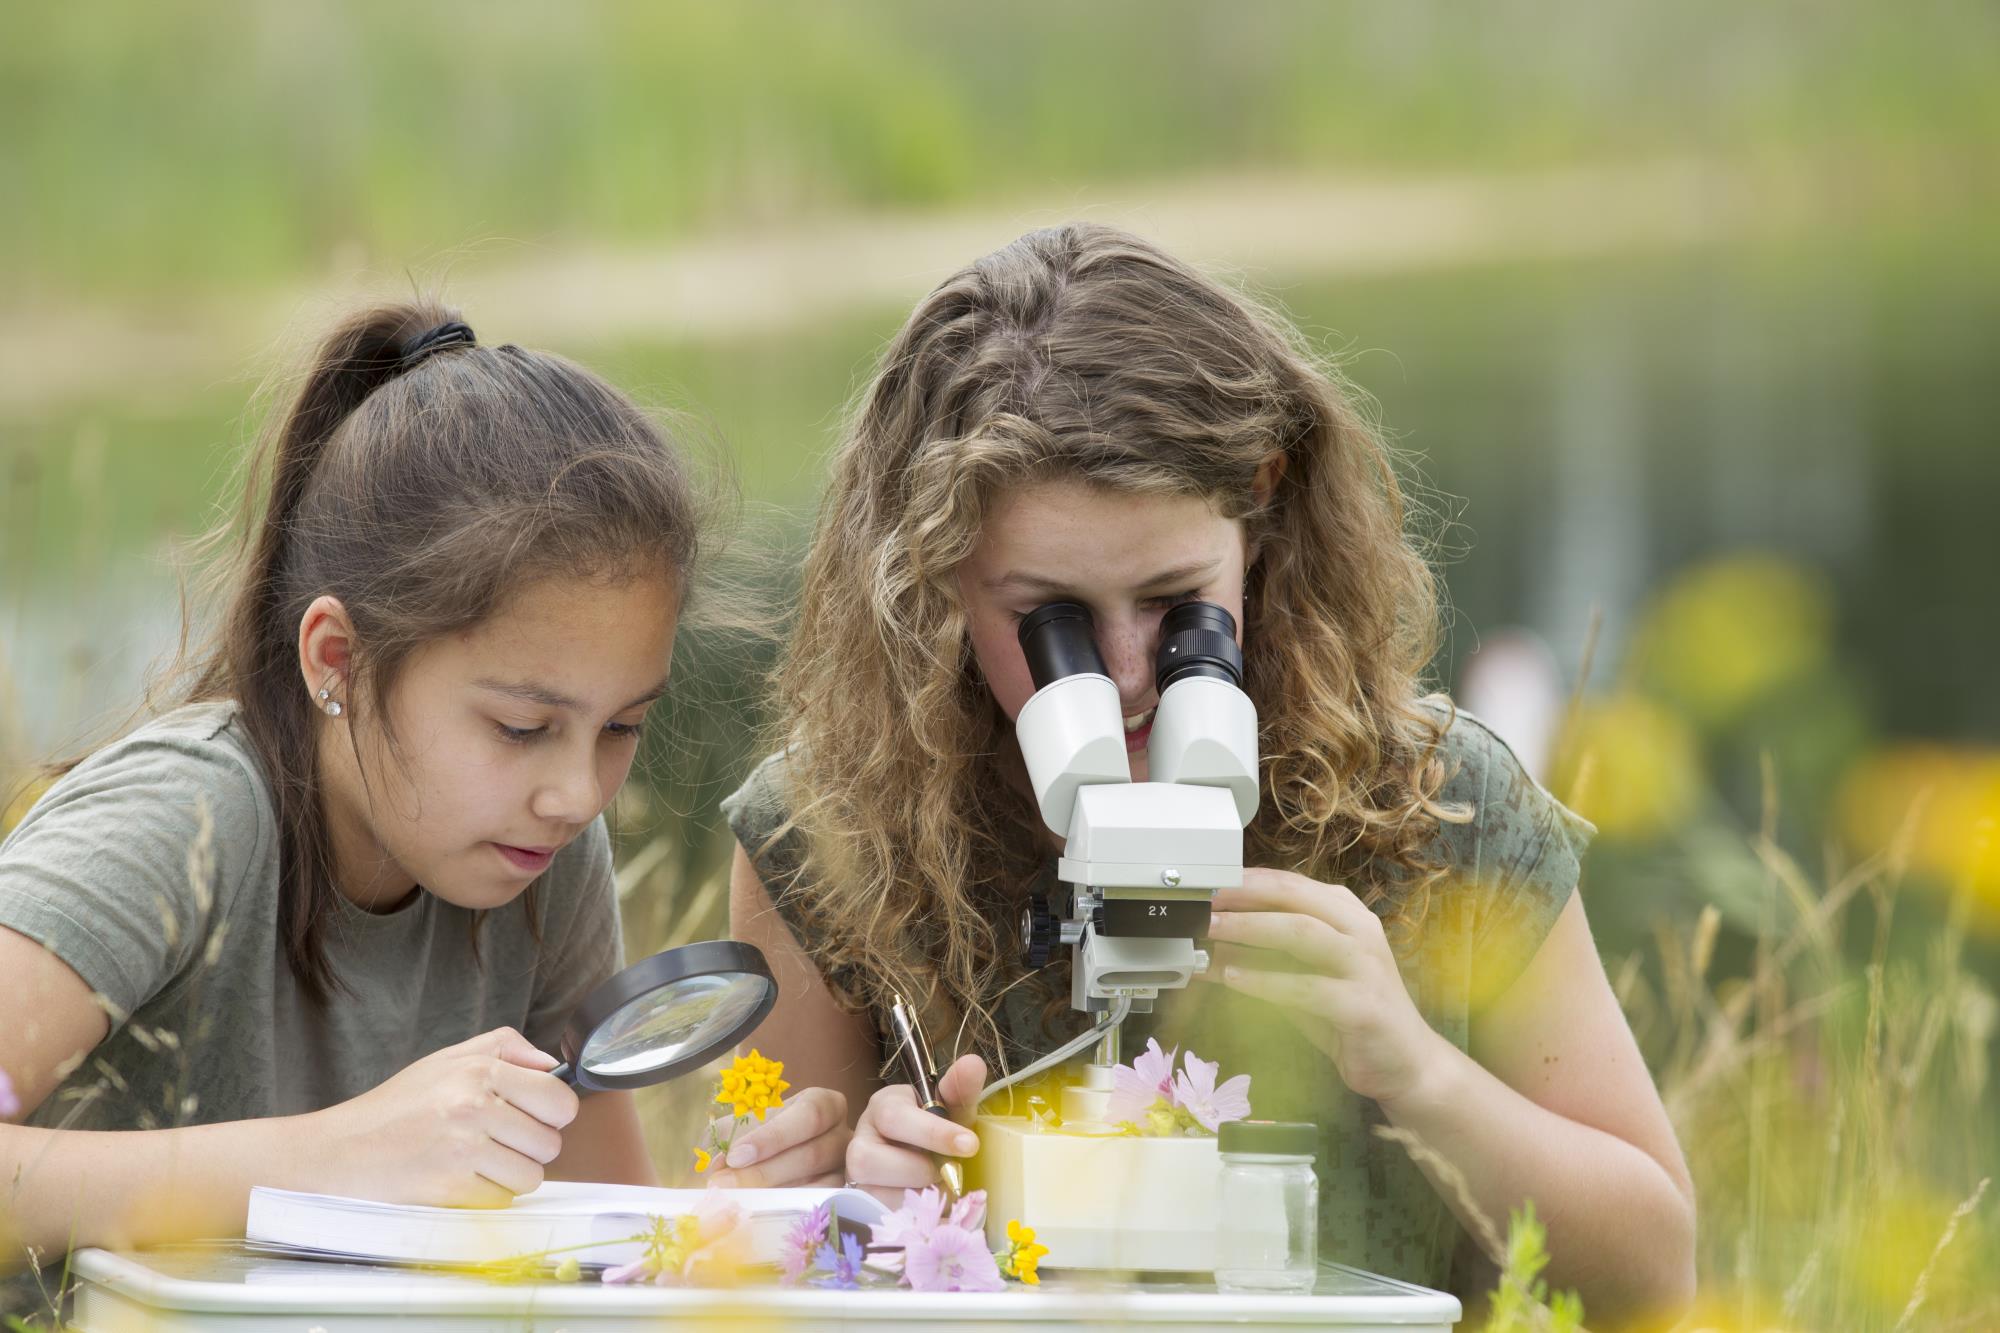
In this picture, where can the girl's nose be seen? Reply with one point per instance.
(1128, 656)
(571, 795)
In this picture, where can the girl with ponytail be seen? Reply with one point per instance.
(316, 925)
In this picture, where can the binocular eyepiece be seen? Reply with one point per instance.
(1196, 639)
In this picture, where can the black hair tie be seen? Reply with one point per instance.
(453, 334)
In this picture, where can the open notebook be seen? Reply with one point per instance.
(558, 1215)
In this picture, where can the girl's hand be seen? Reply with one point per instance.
(1319, 954)
(892, 1146)
(804, 1144)
(470, 1125)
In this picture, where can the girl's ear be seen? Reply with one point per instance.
(1262, 487)
(1269, 473)
(326, 653)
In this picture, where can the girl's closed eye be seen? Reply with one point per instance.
(623, 731)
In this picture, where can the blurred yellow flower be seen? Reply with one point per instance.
(701, 1159)
(1884, 1258)
(1946, 801)
(1632, 766)
(752, 1085)
(1726, 633)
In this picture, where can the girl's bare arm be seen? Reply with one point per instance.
(1552, 1103)
(472, 1124)
(822, 1045)
(1555, 1104)
(62, 1187)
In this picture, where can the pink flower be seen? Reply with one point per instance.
(951, 1259)
(969, 1211)
(917, 1218)
(1135, 1087)
(623, 1273)
(711, 1242)
(1195, 1091)
(722, 1245)
(10, 1105)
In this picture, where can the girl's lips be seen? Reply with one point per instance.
(1135, 741)
(532, 860)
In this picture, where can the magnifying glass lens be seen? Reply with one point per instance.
(663, 1025)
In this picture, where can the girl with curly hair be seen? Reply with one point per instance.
(1082, 417)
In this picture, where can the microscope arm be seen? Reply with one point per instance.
(1120, 1009)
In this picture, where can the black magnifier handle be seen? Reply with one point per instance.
(565, 1072)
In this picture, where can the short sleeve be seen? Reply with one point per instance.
(582, 940)
(122, 866)
(760, 814)
(1519, 857)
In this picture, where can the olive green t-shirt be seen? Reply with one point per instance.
(1511, 869)
(181, 937)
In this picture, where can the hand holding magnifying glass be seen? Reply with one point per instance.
(474, 1124)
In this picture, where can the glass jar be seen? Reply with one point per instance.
(1267, 1223)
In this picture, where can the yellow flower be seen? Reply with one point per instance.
(1023, 1254)
(700, 1159)
(752, 1085)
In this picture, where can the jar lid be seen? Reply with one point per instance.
(1269, 1136)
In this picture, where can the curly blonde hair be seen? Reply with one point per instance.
(1082, 351)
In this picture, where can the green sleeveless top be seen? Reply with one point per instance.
(1511, 870)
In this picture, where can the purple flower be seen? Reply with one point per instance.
(843, 1266)
(808, 1234)
(1136, 1086)
(1195, 1091)
(951, 1259)
(10, 1105)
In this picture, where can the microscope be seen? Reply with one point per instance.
(1141, 862)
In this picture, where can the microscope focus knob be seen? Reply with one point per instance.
(1039, 933)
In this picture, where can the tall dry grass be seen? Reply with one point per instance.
(1821, 1027)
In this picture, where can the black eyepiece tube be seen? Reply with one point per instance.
(1060, 639)
(1197, 639)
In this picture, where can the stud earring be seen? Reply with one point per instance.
(329, 703)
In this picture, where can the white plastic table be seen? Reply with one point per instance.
(195, 1289)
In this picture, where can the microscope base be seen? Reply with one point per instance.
(1100, 1202)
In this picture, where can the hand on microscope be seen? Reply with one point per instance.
(897, 1144)
(1318, 953)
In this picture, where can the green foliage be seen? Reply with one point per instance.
(1521, 1302)
(174, 147)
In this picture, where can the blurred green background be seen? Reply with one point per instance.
(1684, 316)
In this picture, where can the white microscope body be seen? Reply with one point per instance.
(1141, 863)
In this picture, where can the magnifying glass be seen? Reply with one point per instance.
(666, 1015)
